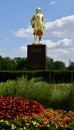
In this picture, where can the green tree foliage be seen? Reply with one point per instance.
(13, 64)
(6, 63)
(1, 62)
(59, 65)
(50, 64)
(71, 67)
(19, 63)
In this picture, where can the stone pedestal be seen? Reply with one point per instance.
(36, 55)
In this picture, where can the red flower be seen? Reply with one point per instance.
(10, 107)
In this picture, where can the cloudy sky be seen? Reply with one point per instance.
(16, 32)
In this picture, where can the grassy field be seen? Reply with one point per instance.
(50, 95)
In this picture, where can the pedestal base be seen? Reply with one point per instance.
(36, 55)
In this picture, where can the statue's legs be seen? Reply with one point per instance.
(39, 40)
(35, 37)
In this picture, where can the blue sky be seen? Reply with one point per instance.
(16, 32)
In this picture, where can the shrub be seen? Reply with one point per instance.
(50, 95)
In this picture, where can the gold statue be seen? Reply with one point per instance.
(37, 23)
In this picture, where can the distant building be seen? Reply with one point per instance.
(71, 62)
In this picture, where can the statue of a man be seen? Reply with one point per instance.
(37, 23)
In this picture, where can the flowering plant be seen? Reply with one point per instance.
(10, 107)
(22, 114)
(52, 119)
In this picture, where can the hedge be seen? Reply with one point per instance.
(48, 76)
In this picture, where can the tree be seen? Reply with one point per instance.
(8, 64)
(50, 64)
(21, 63)
(71, 67)
(1, 63)
(59, 65)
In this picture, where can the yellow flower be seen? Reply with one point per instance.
(7, 122)
(27, 124)
(13, 126)
(24, 128)
(21, 128)
(1, 120)
(34, 122)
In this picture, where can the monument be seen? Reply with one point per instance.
(36, 53)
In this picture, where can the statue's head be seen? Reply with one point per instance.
(38, 10)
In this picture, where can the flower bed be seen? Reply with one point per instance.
(22, 114)
(11, 107)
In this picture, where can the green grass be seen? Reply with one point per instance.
(50, 95)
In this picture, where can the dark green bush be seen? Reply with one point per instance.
(48, 76)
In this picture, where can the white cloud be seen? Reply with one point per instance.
(52, 2)
(63, 27)
(61, 43)
(60, 50)
(65, 42)
(59, 54)
(23, 33)
(22, 49)
(1, 54)
(50, 44)
(62, 30)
